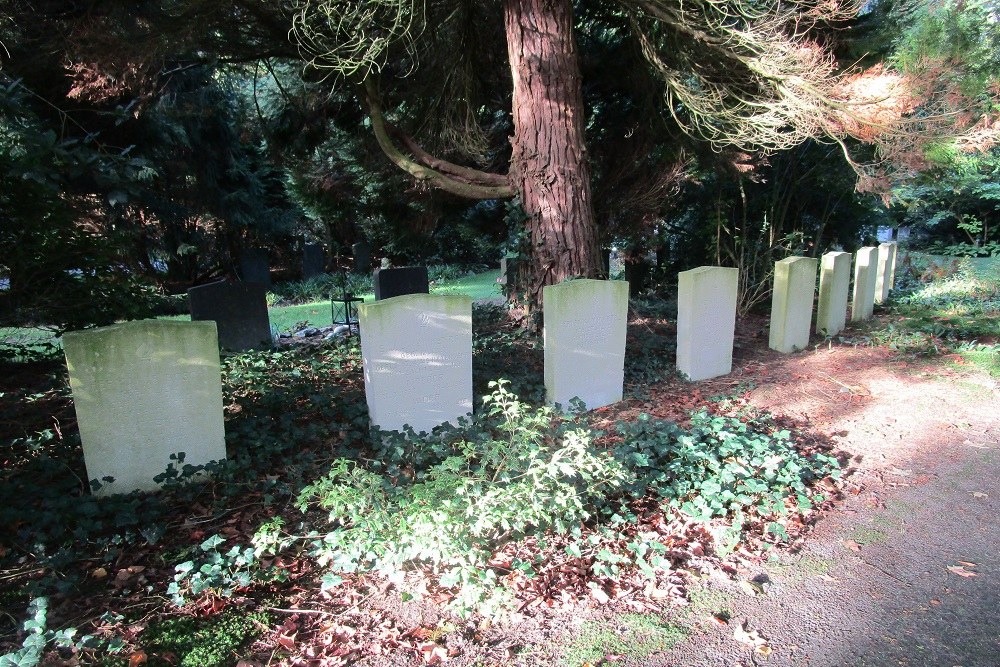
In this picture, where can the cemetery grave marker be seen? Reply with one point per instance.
(834, 285)
(416, 352)
(143, 391)
(313, 261)
(585, 324)
(239, 310)
(400, 281)
(863, 297)
(792, 303)
(255, 267)
(706, 321)
(362, 254)
(884, 275)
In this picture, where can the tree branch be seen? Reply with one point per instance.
(461, 181)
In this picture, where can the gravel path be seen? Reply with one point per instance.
(872, 585)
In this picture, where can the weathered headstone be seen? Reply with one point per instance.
(863, 296)
(313, 260)
(884, 273)
(417, 356)
(255, 267)
(239, 310)
(585, 324)
(636, 273)
(834, 286)
(397, 282)
(792, 303)
(362, 253)
(143, 391)
(892, 265)
(706, 321)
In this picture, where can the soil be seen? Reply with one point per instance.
(905, 570)
(870, 585)
(902, 570)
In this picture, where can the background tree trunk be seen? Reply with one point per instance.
(548, 166)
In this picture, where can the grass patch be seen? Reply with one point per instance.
(957, 310)
(985, 358)
(480, 286)
(634, 636)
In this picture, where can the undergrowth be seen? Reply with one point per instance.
(957, 311)
(471, 507)
(518, 471)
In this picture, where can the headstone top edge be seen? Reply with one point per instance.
(142, 324)
(706, 269)
(419, 296)
(796, 259)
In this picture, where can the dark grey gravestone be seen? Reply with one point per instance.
(637, 275)
(313, 261)
(397, 282)
(239, 310)
(255, 267)
(362, 253)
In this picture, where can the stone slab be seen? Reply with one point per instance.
(362, 254)
(834, 289)
(313, 260)
(863, 295)
(239, 311)
(884, 273)
(706, 321)
(792, 303)
(400, 281)
(416, 352)
(585, 323)
(255, 267)
(143, 391)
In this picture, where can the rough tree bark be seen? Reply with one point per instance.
(549, 169)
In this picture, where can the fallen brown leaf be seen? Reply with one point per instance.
(852, 545)
(961, 571)
(137, 658)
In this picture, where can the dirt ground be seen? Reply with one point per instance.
(906, 570)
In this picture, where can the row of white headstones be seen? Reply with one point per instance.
(148, 389)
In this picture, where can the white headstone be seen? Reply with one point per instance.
(892, 264)
(863, 296)
(706, 321)
(792, 303)
(585, 324)
(143, 391)
(883, 274)
(416, 351)
(834, 286)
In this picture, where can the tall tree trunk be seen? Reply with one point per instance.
(548, 166)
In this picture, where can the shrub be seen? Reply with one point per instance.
(520, 470)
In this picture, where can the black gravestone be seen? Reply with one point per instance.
(362, 253)
(397, 282)
(313, 261)
(255, 267)
(239, 311)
